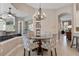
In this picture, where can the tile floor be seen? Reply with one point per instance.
(63, 48)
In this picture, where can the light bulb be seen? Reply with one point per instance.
(9, 15)
(38, 13)
(41, 17)
(44, 14)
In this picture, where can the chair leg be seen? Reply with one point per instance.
(24, 51)
(76, 42)
(51, 53)
(72, 42)
(42, 52)
(28, 53)
(55, 52)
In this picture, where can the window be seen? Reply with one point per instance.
(31, 27)
(2, 25)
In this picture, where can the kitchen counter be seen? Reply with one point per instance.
(12, 47)
(3, 38)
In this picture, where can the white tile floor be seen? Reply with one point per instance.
(63, 48)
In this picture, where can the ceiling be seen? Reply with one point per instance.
(5, 9)
(49, 5)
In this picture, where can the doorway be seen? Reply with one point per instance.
(65, 26)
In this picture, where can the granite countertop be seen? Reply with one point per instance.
(3, 38)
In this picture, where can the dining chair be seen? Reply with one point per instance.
(53, 44)
(46, 43)
(26, 43)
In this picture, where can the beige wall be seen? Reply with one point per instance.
(66, 9)
(50, 23)
(75, 18)
(76, 22)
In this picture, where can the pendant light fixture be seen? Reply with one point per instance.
(40, 15)
(5, 15)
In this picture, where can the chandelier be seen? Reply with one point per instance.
(40, 15)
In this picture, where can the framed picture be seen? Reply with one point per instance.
(77, 29)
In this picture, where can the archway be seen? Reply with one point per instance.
(65, 25)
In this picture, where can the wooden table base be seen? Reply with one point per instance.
(39, 49)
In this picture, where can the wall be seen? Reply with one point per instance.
(76, 22)
(60, 11)
(50, 23)
(66, 9)
(76, 17)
